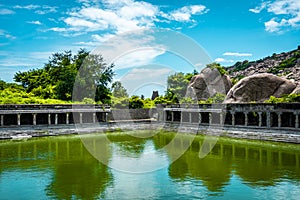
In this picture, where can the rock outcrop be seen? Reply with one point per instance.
(296, 90)
(208, 83)
(285, 65)
(258, 88)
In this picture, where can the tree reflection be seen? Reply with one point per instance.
(257, 163)
(130, 142)
(79, 180)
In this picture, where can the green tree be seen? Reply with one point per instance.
(57, 78)
(92, 80)
(177, 85)
(217, 66)
(118, 90)
(135, 102)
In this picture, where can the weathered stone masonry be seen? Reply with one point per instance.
(265, 116)
(20, 115)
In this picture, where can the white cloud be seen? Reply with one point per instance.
(5, 34)
(272, 26)
(287, 14)
(27, 7)
(121, 18)
(124, 15)
(102, 38)
(34, 22)
(38, 9)
(141, 77)
(237, 54)
(79, 24)
(137, 58)
(23, 60)
(222, 60)
(5, 11)
(258, 9)
(185, 13)
(46, 9)
(58, 29)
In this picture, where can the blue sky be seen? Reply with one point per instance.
(227, 30)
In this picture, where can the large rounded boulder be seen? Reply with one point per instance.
(258, 88)
(208, 83)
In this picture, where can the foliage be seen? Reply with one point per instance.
(217, 66)
(118, 90)
(162, 100)
(217, 98)
(187, 100)
(236, 79)
(239, 66)
(287, 98)
(135, 102)
(148, 103)
(57, 78)
(4, 85)
(119, 103)
(17, 96)
(88, 101)
(288, 63)
(92, 79)
(177, 84)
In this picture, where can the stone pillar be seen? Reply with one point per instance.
(296, 119)
(80, 118)
(94, 117)
(200, 118)
(221, 118)
(67, 118)
(232, 118)
(106, 117)
(56, 119)
(268, 119)
(259, 119)
(246, 118)
(172, 116)
(34, 119)
(19, 119)
(49, 119)
(181, 117)
(210, 118)
(190, 117)
(279, 118)
(2, 120)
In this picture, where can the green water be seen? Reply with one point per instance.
(139, 166)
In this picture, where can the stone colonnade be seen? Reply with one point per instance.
(52, 114)
(269, 116)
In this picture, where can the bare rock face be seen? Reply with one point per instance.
(296, 90)
(259, 88)
(208, 83)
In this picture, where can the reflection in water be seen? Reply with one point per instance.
(75, 173)
(62, 167)
(257, 163)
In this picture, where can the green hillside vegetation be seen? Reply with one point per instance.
(288, 63)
